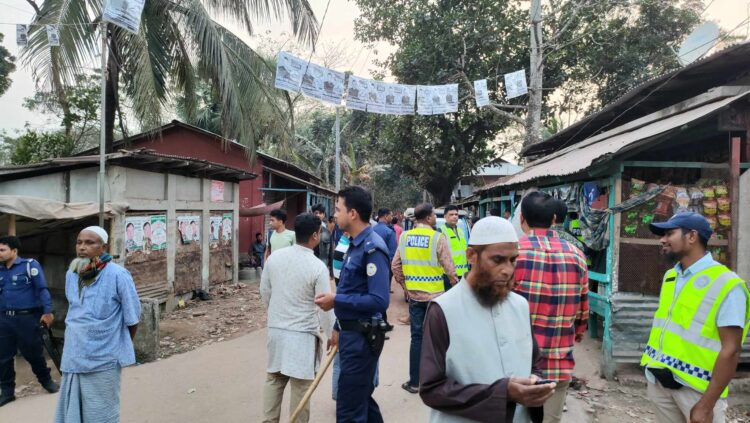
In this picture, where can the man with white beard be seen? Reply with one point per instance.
(478, 351)
(102, 320)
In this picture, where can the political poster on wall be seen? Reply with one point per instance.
(217, 191)
(515, 84)
(189, 228)
(215, 228)
(158, 232)
(357, 93)
(134, 233)
(22, 35)
(289, 72)
(481, 94)
(399, 99)
(226, 227)
(124, 13)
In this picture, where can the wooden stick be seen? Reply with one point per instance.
(314, 385)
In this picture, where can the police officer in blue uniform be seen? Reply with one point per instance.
(361, 299)
(25, 302)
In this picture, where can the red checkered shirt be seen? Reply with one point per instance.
(551, 274)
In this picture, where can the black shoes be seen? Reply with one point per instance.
(410, 389)
(51, 386)
(4, 399)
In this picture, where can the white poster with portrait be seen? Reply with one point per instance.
(289, 71)
(444, 99)
(357, 93)
(424, 100)
(215, 228)
(332, 87)
(481, 94)
(312, 81)
(22, 35)
(124, 13)
(53, 35)
(226, 227)
(134, 233)
(515, 84)
(189, 228)
(376, 97)
(399, 99)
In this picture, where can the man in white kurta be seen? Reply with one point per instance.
(290, 281)
(478, 350)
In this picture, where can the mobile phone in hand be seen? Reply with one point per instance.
(544, 382)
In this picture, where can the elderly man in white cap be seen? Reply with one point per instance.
(478, 351)
(102, 319)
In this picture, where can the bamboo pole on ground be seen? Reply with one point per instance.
(311, 389)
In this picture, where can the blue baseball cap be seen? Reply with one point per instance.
(686, 220)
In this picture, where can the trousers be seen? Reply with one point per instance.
(674, 405)
(553, 407)
(355, 403)
(273, 393)
(20, 333)
(417, 311)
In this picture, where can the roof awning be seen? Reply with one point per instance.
(42, 209)
(261, 209)
(299, 180)
(581, 156)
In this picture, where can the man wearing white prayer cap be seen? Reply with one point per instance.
(478, 352)
(103, 315)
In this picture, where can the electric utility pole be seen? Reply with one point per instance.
(536, 72)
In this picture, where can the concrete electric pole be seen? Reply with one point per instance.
(536, 72)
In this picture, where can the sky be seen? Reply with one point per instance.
(337, 31)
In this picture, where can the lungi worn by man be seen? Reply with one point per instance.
(290, 281)
(478, 352)
(102, 319)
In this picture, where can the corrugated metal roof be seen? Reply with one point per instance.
(579, 157)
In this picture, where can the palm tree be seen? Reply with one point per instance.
(178, 45)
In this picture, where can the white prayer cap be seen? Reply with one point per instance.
(99, 231)
(492, 230)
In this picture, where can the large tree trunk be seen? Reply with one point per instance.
(441, 190)
(536, 71)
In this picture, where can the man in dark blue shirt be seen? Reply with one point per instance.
(361, 299)
(25, 302)
(385, 231)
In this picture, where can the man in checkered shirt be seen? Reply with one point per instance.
(551, 274)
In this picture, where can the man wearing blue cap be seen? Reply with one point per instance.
(699, 327)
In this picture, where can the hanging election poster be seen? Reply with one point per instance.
(289, 71)
(424, 99)
(217, 191)
(332, 86)
(124, 13)
(444, 99)
(226, 227)
(312, 81)
(376, 97)
(481, 94)
(515, 84)
(53, 35)
(158, 233)
(399, 99)
(22, 35)
(357, 93)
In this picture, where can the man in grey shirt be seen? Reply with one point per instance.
(290, 281)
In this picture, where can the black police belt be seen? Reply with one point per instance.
(23, 312)
(374, 331)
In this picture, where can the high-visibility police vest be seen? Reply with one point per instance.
(459, 244)
(419, 260)
(684, 337)
(575, 229)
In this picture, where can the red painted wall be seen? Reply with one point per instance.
(183, 142)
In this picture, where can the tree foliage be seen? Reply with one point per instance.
(34, 147)
(178, 44)
(595, 51)
(7, 66)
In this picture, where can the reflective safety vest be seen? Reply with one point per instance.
(684, 337)
(575, 229)
(459, 244)
(419, 260)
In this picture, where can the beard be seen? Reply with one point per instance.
(78, 264)
(487, 291)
